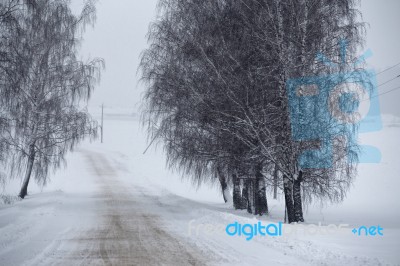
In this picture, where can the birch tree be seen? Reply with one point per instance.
(224, 66)
(44, 118)
(288, 35)
(8, 29)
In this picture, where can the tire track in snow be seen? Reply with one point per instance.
(127, 234)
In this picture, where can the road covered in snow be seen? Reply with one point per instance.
(109, 226)
(114, 205)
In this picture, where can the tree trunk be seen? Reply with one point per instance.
(298, 208)
(261, 205)
(245, 195)
(31, 159)
(224, 186)
(250, 195)
(285, 219)
(237, 197)
(288, 190)
(276, 182)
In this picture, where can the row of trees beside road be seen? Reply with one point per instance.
(216, 75)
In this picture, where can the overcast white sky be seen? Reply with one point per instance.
(119, 37)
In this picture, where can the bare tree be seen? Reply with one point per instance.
(8, 29)
(219, 69)
(185, 109)
(287, 38)
(48, 82)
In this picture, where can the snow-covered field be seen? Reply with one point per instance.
(115, 205)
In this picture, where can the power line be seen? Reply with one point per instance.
(388, 81)
(385, 92)
(388, 68)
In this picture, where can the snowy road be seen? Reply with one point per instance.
(115, 206)
(129, 235)
(107, 227)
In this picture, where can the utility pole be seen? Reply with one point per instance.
(102, 114)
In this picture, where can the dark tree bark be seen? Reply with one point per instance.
(250, 195)
(237, 197)
(276, 182)
(261, 205)
(224, 185)
(288, 191)
(245, 195)
(298, 208)
(31, 159)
